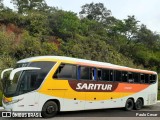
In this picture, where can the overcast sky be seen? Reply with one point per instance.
(146, 11)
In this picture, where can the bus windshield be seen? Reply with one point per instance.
(26, 80)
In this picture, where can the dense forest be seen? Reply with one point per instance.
(33, 28)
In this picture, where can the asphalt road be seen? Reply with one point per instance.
(104, 114)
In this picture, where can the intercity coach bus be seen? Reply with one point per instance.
(55, 83)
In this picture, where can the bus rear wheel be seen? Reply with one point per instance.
(49, 109)
(129, 105)
(138, 104)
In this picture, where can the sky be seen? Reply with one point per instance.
(145, 11)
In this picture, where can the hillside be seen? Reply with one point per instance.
(95, 35)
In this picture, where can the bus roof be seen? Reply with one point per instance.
(84, 62)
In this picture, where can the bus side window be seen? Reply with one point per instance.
(111, 75)
(146, 78)
(136, 77)
(92, 74)
(85, 73)
(66, 71)
(99, 74)
(152, 78)
(142, 78)
(118, 76)
(130, 77)
(124, 76)
(74, 72)
(105, 75)
(56, 74)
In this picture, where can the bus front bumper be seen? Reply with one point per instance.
(8, 107)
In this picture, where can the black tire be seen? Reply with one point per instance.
(49, 109)
(129, 105)
(138, 104)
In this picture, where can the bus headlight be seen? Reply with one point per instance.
(8, 102)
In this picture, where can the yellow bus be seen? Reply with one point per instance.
(56, 83)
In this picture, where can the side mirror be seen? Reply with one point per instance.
(21, 69)
(6, 70)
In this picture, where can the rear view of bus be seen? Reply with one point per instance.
(55, 83)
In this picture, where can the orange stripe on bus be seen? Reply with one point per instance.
(124, 87)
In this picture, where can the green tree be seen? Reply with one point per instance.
(147, 37)
(1, 4)
(91, 27)
(64, 24)
(44, 30)
(29, 46)
(8, 16)
(49, 49)
(130, 27)
(6, 61)
(95, 11)
(127, 27)
(6, 43)
(93, 48)
(123, 34)
(36, 23)
(28, 5)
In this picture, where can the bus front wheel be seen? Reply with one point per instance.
(49, 109)
(129, 105)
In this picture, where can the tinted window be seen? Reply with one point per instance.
(136, 77)
(111, 75)
(142, 78)
(99, 74)
(66, 71)
(105, 75)
(85, 73)
(152, 78)
(146, 78)
(92, 74)
(130, 77)
(124, 76)
(118, 76)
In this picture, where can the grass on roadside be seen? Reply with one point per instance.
(0, 98)
(158, 94)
